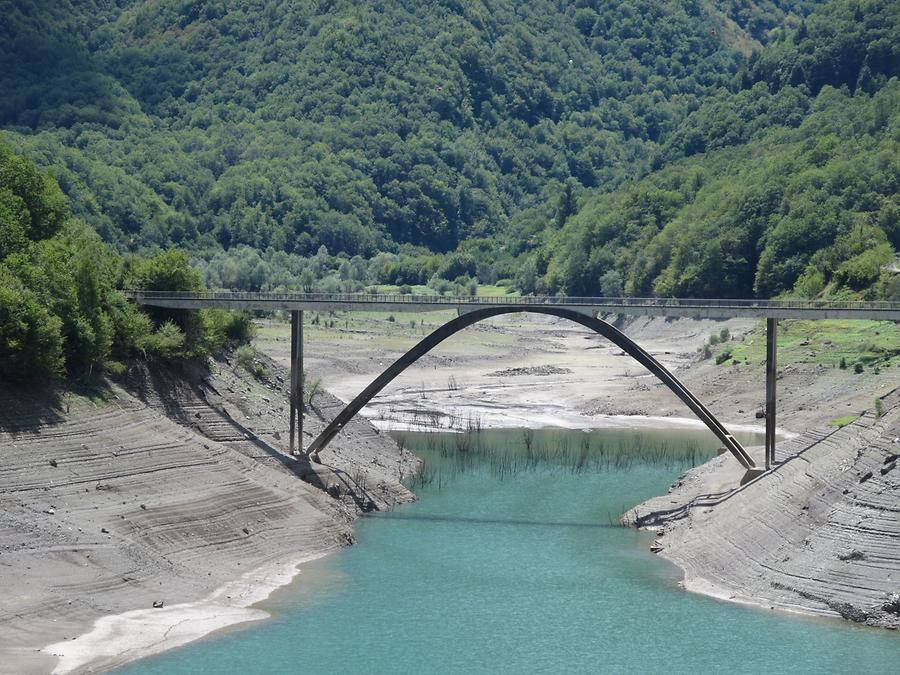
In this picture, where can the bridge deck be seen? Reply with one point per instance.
(669, 307)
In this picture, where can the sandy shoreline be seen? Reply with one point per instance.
(120, 638)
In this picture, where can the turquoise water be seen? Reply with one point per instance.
(509, 563)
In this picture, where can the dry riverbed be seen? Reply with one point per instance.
(146, 513)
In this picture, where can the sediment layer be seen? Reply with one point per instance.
(164, 487)
(818, 534)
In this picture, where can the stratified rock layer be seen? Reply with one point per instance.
(161, 489)
(820, 534)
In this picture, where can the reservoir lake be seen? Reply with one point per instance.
(512, 561)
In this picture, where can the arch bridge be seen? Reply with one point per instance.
(583, 311)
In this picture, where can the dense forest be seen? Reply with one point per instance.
(59, 311)
(358, 126)
(743, 148)
(788, 183)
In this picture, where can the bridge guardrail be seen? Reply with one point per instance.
(685, 303)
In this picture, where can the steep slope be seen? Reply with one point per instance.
(820, 534)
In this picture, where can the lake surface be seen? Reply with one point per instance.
(511, 562)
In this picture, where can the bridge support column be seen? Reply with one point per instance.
(296, 382)
(771, 374)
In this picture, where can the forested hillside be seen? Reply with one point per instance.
(669, 147)
(59, 311)
(352, 125)
(791, 181)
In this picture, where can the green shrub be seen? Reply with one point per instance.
(245, 356)
(167, 341)
(723, 357)
(864, 269)
(223, 328)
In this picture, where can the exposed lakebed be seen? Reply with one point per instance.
(512, 561)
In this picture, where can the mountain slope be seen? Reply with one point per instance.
(295, 125)
(789, 184)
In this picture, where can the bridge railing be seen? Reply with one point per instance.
(373, 298)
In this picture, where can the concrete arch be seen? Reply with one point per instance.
(599, 326)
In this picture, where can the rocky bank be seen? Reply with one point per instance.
(820, 533)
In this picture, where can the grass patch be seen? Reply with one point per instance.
(826, 342)
(843, 421)
(246, 358)
(486, 290)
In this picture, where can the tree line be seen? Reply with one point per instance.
(60, 312)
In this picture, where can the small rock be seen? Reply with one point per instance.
(84, 446)
(885, 469)
(143, 507)
(866, 476)
(246, 530)
(104, 530)
(157, 604)
(855, 554)
(197, 415)
(893, 604)
(50, 512)
(53, 463)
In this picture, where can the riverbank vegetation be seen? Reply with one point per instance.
(504, 453)
(60, 312)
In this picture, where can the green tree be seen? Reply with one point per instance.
(31, 344)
